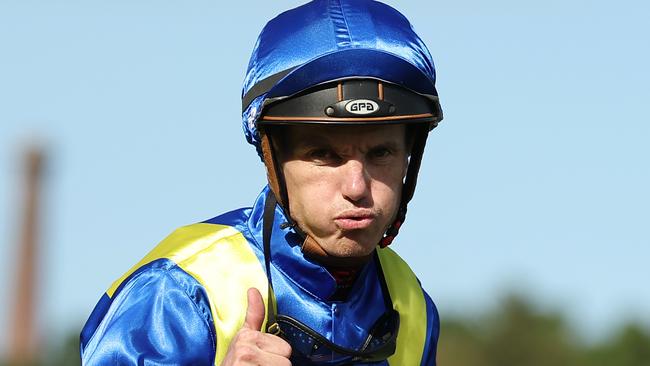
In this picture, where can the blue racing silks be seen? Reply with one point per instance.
(183, 303)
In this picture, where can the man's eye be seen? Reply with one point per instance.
(322, 154)
(380, 153)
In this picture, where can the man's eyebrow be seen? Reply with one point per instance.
(310, 141)
(389, 144)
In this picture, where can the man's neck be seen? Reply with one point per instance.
(345, 270)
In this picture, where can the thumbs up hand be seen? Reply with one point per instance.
(252, 347)
(255, 311)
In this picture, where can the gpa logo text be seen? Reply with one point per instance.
(362, 106)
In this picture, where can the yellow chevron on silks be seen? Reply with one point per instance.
(222, 261)
(408, 300)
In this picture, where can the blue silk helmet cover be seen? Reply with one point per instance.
(327, 40)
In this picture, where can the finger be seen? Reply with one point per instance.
(273, 344)
(255, 311)
(244, 352)
(275, 360)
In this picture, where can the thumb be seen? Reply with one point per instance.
(255, 311)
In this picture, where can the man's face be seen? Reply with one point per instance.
(344, 183)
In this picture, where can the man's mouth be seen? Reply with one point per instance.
(355, 219)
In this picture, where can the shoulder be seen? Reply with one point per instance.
(187, 242)
(162, 300)
(394, 266)
(158, 311)
(413, 304)
(169, 297)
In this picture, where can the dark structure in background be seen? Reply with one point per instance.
(23, 335)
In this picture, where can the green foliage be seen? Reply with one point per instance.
(516, 334)
(64, 352)
(630, 347)
(68, 352)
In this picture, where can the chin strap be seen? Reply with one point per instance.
(393, 230)
(273, 171)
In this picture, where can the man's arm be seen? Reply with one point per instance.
(156, 316)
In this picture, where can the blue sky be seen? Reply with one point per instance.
(537, 180)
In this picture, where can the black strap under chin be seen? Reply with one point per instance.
(268, 218)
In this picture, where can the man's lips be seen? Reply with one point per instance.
(357, 219)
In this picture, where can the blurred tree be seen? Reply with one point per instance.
(67, 352)
(629, 347)
(460, 345)
(514, 334)
(62, 352)
(517, 335)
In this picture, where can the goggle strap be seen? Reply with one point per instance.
(363, 353)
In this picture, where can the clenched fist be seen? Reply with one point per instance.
(252, 347)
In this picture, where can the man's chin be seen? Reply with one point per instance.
(349, 247)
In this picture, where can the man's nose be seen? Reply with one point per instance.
(355, 184)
